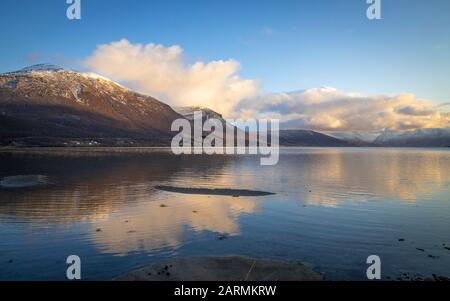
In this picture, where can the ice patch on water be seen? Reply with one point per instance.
(24, 181)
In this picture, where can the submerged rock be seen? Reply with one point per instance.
(233, 268)
(223, 237)
(23, 181)
(217, 191)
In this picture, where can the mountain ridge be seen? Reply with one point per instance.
(47, 105)
(288, 137)
(51, 103)
(437, 137)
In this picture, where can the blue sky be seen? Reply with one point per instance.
(287, 45)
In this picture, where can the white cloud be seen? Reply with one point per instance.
(332, 110)
(161, 72)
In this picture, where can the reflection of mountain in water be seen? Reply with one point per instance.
(115, 193)
(89, 184)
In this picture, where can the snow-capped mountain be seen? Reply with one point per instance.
(207, 114)
(39, 68)
(188, 113)
(50, 105)
(294, 137)
(357, 137)
(311, 138)
(419, 138)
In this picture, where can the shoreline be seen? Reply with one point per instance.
(163, 147)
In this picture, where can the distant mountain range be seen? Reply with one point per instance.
(362, 138)
(46, 105)
(287, 137)
(417, 138)
(311, 138)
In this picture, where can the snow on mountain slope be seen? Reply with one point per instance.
(365, 137)
(286, 138)
(439, 137)
(188, 112)
(207, 114)
(39, 68)
(49, 101)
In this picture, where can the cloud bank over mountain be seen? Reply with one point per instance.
(328, 109)
(163, 73)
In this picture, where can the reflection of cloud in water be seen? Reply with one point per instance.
(336, 175)
(149, 226)
(105, 191)
(89, 186)
(64, 205)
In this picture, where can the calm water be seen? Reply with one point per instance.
(332, 209)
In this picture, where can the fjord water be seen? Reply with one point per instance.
(333, 208)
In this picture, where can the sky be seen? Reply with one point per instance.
(223, 53)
